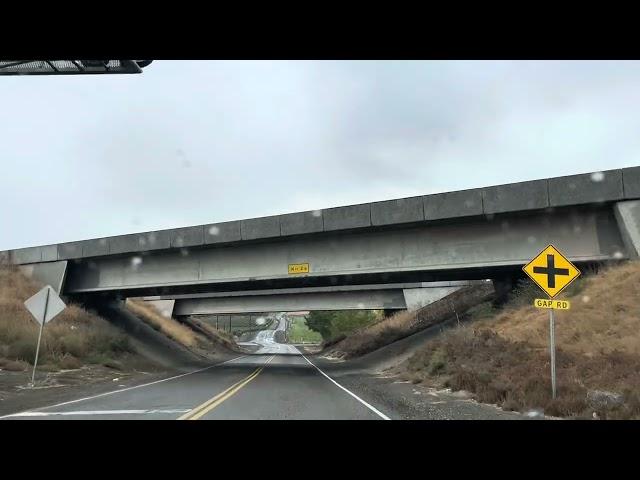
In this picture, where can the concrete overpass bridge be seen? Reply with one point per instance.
(454, 236)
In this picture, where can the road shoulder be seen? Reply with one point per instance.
(68, 385)
(402, 400)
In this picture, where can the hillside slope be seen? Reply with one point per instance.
(407, 323)
(197, 336)
(502, 357)
(74, 338)
(79, 337)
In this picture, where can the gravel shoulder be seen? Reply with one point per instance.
(401, 400)
(66, 385)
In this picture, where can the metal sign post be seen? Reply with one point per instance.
(44, 306)
(552, 272)
(552, 347)
(35, 362)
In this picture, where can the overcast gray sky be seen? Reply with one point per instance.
(188, 143)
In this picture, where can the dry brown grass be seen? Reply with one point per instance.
(374, 336)
(604, 316)
(168, 326)
(219, 336)
(406, 323)
(195, 335)
(516, 375)
(504, 359)
(75, 336)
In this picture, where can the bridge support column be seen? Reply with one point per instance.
(49, 273)
(416, 298)
(165, 307)
(502, 287)
(628, 218)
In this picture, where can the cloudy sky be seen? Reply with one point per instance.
(188, 143)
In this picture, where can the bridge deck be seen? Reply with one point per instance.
(589, 188)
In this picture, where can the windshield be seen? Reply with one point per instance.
(369, 240)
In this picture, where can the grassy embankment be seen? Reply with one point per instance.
(502, 356)
(73, 338)
(206, 340)
(381, 331)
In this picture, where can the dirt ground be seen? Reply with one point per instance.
(54, 387)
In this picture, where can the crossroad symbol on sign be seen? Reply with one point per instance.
(551, 271)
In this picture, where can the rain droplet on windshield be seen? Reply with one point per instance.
(136, 262)
(597, 176)
(316, 213)
(214, 230)
(184, 162)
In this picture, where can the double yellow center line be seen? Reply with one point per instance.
(201, 410)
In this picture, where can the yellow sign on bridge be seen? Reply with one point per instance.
(295, 268)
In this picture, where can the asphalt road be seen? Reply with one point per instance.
(276, 382)
(266, 342)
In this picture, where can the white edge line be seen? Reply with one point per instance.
(370, 407)
(95, 412)
(121, 390)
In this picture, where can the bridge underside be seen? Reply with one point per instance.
(293, 303)
(363, 297)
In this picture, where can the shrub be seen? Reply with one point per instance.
(437, 362)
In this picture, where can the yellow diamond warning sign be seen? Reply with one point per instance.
(551, 271)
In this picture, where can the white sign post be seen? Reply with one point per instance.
(44, 306)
